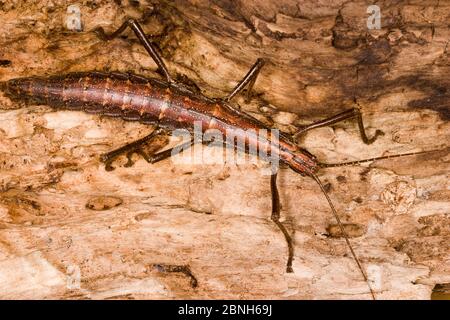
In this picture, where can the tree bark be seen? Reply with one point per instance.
(70, 229)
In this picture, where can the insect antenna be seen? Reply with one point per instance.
(341, 227)
(356, 162)
(344, 233)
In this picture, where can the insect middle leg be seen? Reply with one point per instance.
(348, 114)
(248, 81)
(276, 219)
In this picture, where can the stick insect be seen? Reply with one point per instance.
(169, 104)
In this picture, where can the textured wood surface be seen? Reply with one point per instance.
(64, 218)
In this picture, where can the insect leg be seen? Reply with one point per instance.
(184, 269)
(248, 80)
(151, 49)
(166, 153)
(348, 114)
(276, 218)
(129, 149)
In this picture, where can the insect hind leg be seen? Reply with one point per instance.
(129, 149)
(183, 269)
(149, 47)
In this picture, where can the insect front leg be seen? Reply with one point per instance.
(276, 218)
(348, 114)
(149, 47)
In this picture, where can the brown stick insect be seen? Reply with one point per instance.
(169, 104)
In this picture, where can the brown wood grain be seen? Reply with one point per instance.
(64, 218)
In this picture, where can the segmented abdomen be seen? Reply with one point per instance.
(113, 95)
(150, 101)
